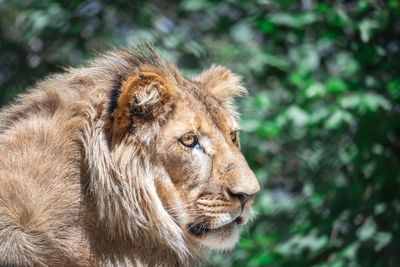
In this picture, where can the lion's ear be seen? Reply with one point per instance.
(222, 84)
(143, 97)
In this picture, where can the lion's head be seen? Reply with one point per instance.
(211, 188)
(170, 152)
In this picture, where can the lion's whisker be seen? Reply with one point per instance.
(190, 201)
(175, 207)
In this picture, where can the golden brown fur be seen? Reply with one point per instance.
(97, 168)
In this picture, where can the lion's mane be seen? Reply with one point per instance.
(118, 194)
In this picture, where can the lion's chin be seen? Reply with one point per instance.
(224, 237)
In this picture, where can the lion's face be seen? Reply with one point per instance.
(211, 188)
(203, 180)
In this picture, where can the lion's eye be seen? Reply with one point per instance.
(189, 140)
(234, 137)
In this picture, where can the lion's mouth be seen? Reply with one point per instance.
(198, 229)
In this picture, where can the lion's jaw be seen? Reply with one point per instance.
(210, 188)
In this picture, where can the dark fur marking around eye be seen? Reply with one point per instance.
(114, 96)
(199, 146)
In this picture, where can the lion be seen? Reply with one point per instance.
(123, 162)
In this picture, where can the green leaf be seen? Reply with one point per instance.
(351, 250)
(279, 62)
(344, 64)
(337, 119)
(245, 244)
(315, 90)
(336, 86)
(293, 20)
(365, 102)
(305, 58)
(367, 230)
(297, 115)
(266, 26)
(263, 259)
(262, 101)
(195, 5)
(382, 239)
(394, 88)
(366, 28)
(242, 32)
(268, 129)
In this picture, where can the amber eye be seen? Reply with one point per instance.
(189, 140)
(234, 137)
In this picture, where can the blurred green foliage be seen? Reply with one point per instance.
(321, 124)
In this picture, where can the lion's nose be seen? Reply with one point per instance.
(243, 197)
